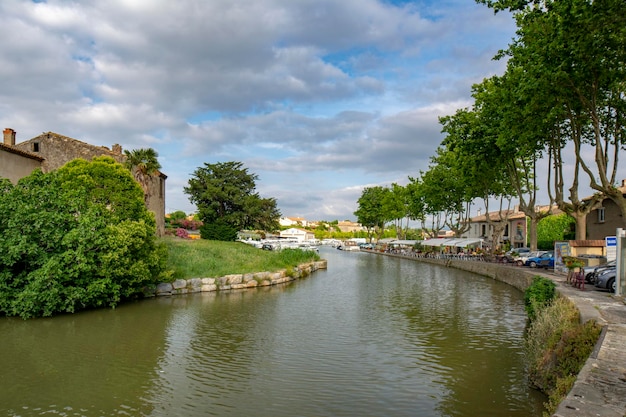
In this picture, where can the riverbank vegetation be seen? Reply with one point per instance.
(76, 238)
(210, 258)
(557, 344)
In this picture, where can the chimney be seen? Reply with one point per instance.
(9, 137)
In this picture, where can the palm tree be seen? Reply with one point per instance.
(144, 165)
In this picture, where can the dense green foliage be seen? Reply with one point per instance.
(225, 196)
(205, 258)
(75, 238)
(557, 346)
(539, 294)
(561, 98)
(554, 228)
(371, 212)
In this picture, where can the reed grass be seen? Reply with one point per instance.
(208, 258)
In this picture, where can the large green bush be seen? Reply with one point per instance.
(539, 294)
(75, 238)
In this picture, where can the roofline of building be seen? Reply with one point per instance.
(21, 152)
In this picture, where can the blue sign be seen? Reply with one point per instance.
(610, 241)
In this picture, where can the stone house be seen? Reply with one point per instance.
(604, 220)
(15, 163)
(293, 221)
(348, 226)
(50, 151)
(514, 227)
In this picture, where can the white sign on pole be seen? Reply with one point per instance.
(610, 243)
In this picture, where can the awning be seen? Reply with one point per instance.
(404, 242)
(458, 242)
(468, 242)
(435, 242)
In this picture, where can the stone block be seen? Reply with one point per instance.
(179, 284)
(209, 287)
(164, 288)
(234, 279)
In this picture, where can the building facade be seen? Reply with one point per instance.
(605, 220)
(14, 163)
(50, 151)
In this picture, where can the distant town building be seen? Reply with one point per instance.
(292, 221)
(300, 235)
(348, 226)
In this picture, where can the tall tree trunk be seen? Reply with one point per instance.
(581, 225)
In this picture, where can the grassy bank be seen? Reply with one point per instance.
(557, 344)
(208, 258)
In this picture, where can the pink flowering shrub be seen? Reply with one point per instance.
(187, 224)
(182, 233)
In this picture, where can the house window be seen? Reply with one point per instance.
(506, 230)
(484, 227)
(35, 146)
(601, 215)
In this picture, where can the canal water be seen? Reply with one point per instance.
(370, 336)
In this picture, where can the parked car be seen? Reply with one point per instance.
(513, 254)
(521, 260)
(591, 272)
(545, 260)
(606, 279)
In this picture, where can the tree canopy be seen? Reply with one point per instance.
(227, 201)
(75, 238)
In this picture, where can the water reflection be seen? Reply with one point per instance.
(371, 336)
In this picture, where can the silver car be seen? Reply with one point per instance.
(592, 272)
(606, 280)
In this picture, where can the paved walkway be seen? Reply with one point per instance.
(600, 390)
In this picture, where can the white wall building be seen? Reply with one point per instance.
(297, 234)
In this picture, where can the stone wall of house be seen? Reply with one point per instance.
(59, 150)
(597, 229)
(235, 281)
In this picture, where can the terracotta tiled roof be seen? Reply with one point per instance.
(587, 243)
(20, 152)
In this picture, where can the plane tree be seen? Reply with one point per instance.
(371, 211)
(572, 57)
(508, 116)
(480, 162)
(444, 191)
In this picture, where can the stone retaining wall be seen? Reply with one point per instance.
(235, 281)
(520, 278)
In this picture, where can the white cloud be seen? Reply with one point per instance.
(317, 97)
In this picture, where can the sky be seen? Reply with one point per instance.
(318, 98)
